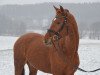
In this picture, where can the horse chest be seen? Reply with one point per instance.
(55, 59)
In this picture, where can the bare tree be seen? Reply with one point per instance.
(95, 31)
(82, 29)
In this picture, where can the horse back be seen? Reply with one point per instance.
(22, 44)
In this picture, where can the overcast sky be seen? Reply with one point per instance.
(41, 1)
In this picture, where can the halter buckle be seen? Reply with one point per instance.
(55, 37)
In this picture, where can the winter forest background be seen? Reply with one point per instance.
(16, 20)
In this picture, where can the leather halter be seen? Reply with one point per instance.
(62, 26)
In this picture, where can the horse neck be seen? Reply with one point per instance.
(73, 30)
(70, 39)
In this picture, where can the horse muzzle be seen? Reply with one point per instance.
(48, 42)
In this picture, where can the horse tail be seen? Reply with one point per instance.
(80, 69)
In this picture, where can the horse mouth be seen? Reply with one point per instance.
(47, 42)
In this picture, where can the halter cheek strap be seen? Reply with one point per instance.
(58, 32)
(57, 35)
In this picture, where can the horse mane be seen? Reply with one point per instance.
(73, 29)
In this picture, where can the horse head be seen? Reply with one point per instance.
(59, 26)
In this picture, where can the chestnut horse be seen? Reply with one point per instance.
(60, 57)
(58, 60)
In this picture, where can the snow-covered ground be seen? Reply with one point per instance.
(7, 42)
(89, 52)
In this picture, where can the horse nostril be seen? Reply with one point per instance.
(45, 41)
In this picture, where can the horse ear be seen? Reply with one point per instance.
(56, 8)
(61, 8)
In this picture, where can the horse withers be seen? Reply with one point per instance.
(54, 53)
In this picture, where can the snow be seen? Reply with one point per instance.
(89, 41)
(36, 31)
(89, 53)
(7, 42)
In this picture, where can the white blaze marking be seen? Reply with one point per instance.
(54, 19)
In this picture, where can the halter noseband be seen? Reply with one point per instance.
(62, 26)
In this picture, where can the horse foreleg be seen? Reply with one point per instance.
(19, 68)
(32, 70)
